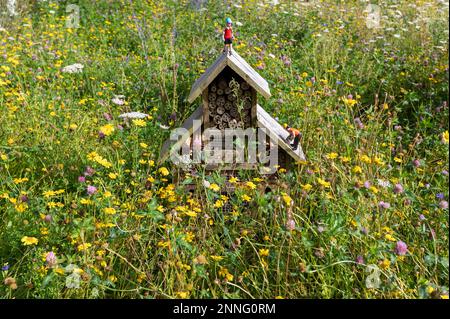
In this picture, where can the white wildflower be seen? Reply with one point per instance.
(73, 281)
(118, 100)
(133, 115)
(74, 68)
(383, 183)
(164, 127)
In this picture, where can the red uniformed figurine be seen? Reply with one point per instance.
(228, 36)
(293, 134)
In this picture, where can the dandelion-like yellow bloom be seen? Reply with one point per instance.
(233, 180)
(385, 264)
(214, 187)
(107, 129)
(264, 252)
(27, 241)
(84, 246)
(163, 171)
(216, 258)
(139, 122)
(332, 156)
(250, 185)
(109, 210)
(287, 199)
(323, 183)
(445, 140)
(357, 169)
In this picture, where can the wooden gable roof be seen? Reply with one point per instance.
(238, 65)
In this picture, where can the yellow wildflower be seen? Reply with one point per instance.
(216, 258)
(445, 139)
(27, 241)
(357, 169)
(332, 156)
(385, 264)
(139, 122)
(250, 185)
(84, 246)
(107, 129)
(214, 187)
(264, 252)
(323, 183)
(163, 171)
(109, 210)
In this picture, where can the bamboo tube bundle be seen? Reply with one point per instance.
(217, 119)
(220, 110)
(220, 92)
(227, 91)
(245, 86)
(212, 97)
(228, 105)
(221, 126)
(247, 104)
(234, 112)
(231, 97)
(233, 123)
(220, 101)
(247, 94)
(213, 88)
(226, 117)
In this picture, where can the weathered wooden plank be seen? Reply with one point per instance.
(254, 108)
(268, 122)
(205, 104)
(241, 67)
(188, 124)
(210, 74)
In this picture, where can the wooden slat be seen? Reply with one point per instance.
(205, 103)
(210, 74)
(268, 122)
(187, 124)
(241, 67)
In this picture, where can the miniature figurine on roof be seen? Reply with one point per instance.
(228, 90)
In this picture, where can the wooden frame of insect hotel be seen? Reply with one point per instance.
(229, 90)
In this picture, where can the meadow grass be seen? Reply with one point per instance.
(87, 212)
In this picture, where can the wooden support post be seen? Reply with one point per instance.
(205, 109)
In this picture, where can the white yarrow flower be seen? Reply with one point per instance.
(73, 281)
(74, 68)
(133, 115)
(383, 183)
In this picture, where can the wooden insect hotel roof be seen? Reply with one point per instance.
(238, 65)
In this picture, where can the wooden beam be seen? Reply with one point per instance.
(278, 131)
(188, 124)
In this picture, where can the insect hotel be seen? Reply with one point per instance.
(229, 102)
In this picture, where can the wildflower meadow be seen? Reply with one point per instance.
(87, 210)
